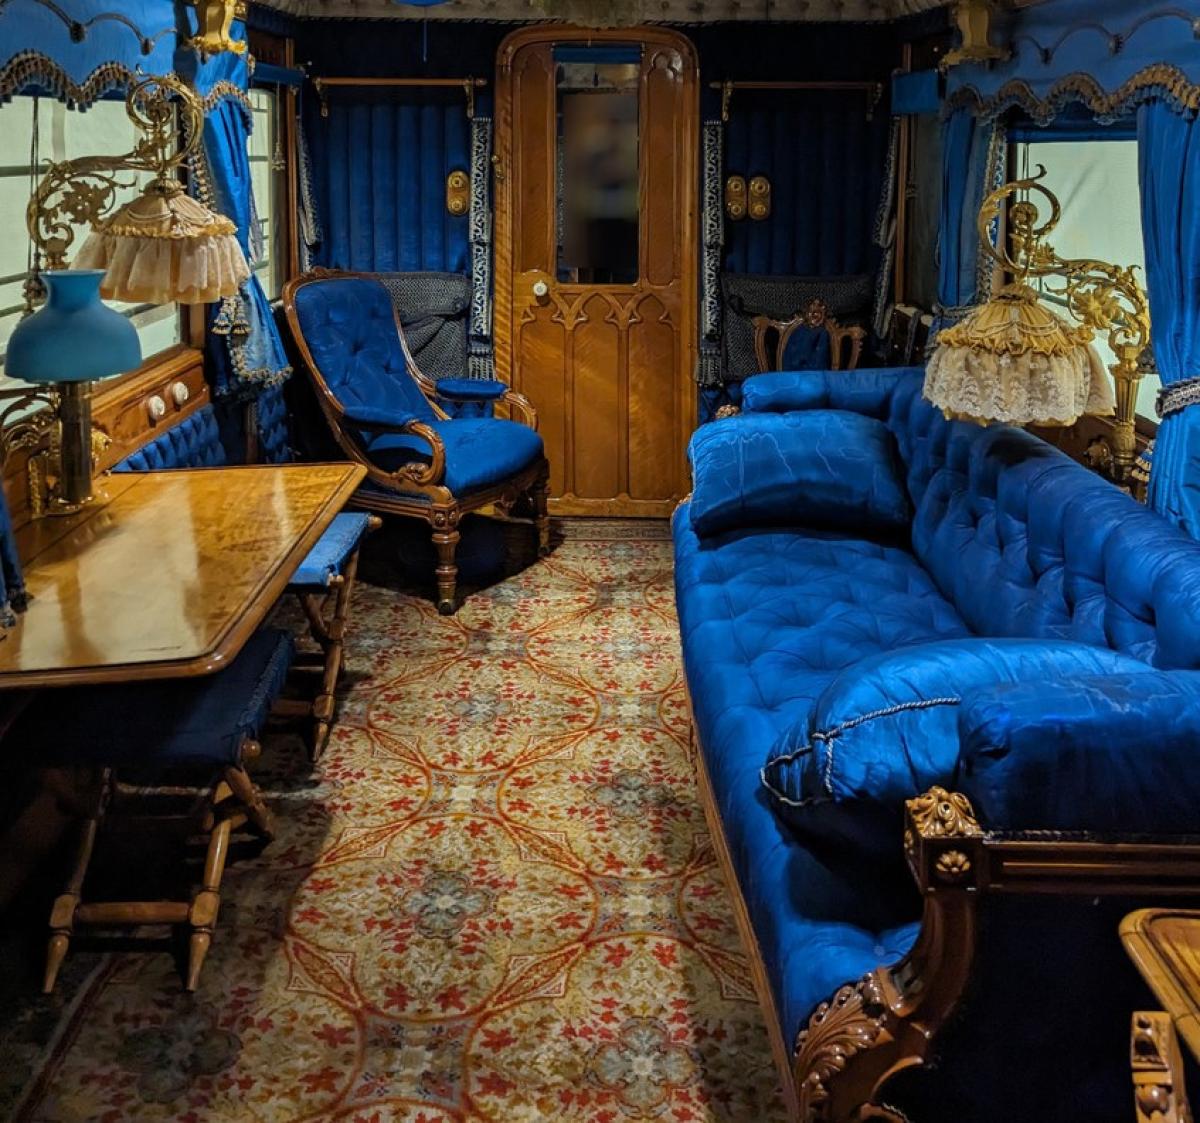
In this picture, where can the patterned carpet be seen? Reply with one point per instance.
(495, 900)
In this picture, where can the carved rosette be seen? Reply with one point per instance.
(849, 1024)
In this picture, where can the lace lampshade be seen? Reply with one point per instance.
(1013, 360)
(165, 247)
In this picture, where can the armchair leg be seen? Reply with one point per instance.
(541, 510)
(445, 541)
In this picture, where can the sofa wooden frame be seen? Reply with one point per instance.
(415, 490)
(872, 1029)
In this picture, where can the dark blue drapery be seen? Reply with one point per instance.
(243, 343)
(1169, 152)
(824, 157)
(380, 173)
(965, 180)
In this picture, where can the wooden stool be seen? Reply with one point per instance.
(205, 729)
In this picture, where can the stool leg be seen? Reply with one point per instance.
(446, 544)
(62, 912)
(202, 916)
(324, 706)
(245, 791)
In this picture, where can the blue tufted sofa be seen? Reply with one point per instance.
(1055, 805)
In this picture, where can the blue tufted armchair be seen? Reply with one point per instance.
(386, 414)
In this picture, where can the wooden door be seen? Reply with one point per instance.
(609, 365)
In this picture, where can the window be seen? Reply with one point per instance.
(1097, 183)
(104, 129)
(923, 203)
(268, 180)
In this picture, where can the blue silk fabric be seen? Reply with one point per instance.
(1010, 538)
(350, 327)
(886, 730)
(826, 468)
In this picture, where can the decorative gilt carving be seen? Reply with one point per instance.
(942, 814)
(974, 21)
(727, 411)
(458, 192)
(850, 1023)
(215, 18)
(735, 197)
(952, 865)
(760, 198)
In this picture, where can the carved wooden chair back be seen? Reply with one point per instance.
(775, 339)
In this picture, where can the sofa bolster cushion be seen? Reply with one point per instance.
(823, 469)
(886, 729)
(869, 392)
(1115, 754)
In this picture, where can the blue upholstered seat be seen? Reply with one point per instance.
(333, 549)
(768, 619)
(1010, 538)
(479, 451)
(196, 723)
(350, 328)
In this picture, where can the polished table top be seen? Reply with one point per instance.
(1165, 946)
(167, 574)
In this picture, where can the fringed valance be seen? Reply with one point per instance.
(30, 70)
(1159, 82)
(1109, 56)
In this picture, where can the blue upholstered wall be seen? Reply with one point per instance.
(824, 158)
(380, 165)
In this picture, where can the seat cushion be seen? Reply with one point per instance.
(817, 468)
(480, 451)
(158, 726)
(768, 619)
(333, 548)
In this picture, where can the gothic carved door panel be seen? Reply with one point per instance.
(596, 135)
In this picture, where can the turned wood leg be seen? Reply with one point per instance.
(202, 916)
(248, 795)
(62, 912)
(1159, 1092)
(541, 511)
(446, 544)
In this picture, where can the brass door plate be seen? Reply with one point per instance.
(760, 198)
(458, 192)
(735, 197)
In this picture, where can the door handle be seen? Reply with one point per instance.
(541, 291)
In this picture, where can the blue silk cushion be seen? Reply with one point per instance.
(886, 730)
(820, 468)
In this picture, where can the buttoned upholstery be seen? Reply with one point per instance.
(1010, 538)
(349, 325)
(195, 442)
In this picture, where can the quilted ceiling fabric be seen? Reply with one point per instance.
(495, 899)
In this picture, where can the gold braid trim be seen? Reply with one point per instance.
(225, 89)
(33, 68)
(1161, 78)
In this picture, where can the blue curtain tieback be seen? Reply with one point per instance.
(1177, 397)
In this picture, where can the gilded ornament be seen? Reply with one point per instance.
(942, 814)
(973, 18)
(215, 18)
(953, 865)
(760, 198)
(735, 197)
(458, 192)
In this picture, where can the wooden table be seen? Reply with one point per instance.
(1165, 946)
(168, 574)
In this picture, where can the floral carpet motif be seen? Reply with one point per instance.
(494, 899)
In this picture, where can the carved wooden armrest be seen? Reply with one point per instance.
(518, 403)
(417, 472)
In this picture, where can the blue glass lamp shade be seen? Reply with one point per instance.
(74, 336)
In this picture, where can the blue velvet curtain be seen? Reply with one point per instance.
(243, 343)
(380, 175)
(1169, 152)
(965, 179)
(825, 160)
(12, 583)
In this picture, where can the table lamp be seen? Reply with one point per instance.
(162, 247)
(1013, 360)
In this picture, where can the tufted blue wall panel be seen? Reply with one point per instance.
(825, 162)
(380, 169)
